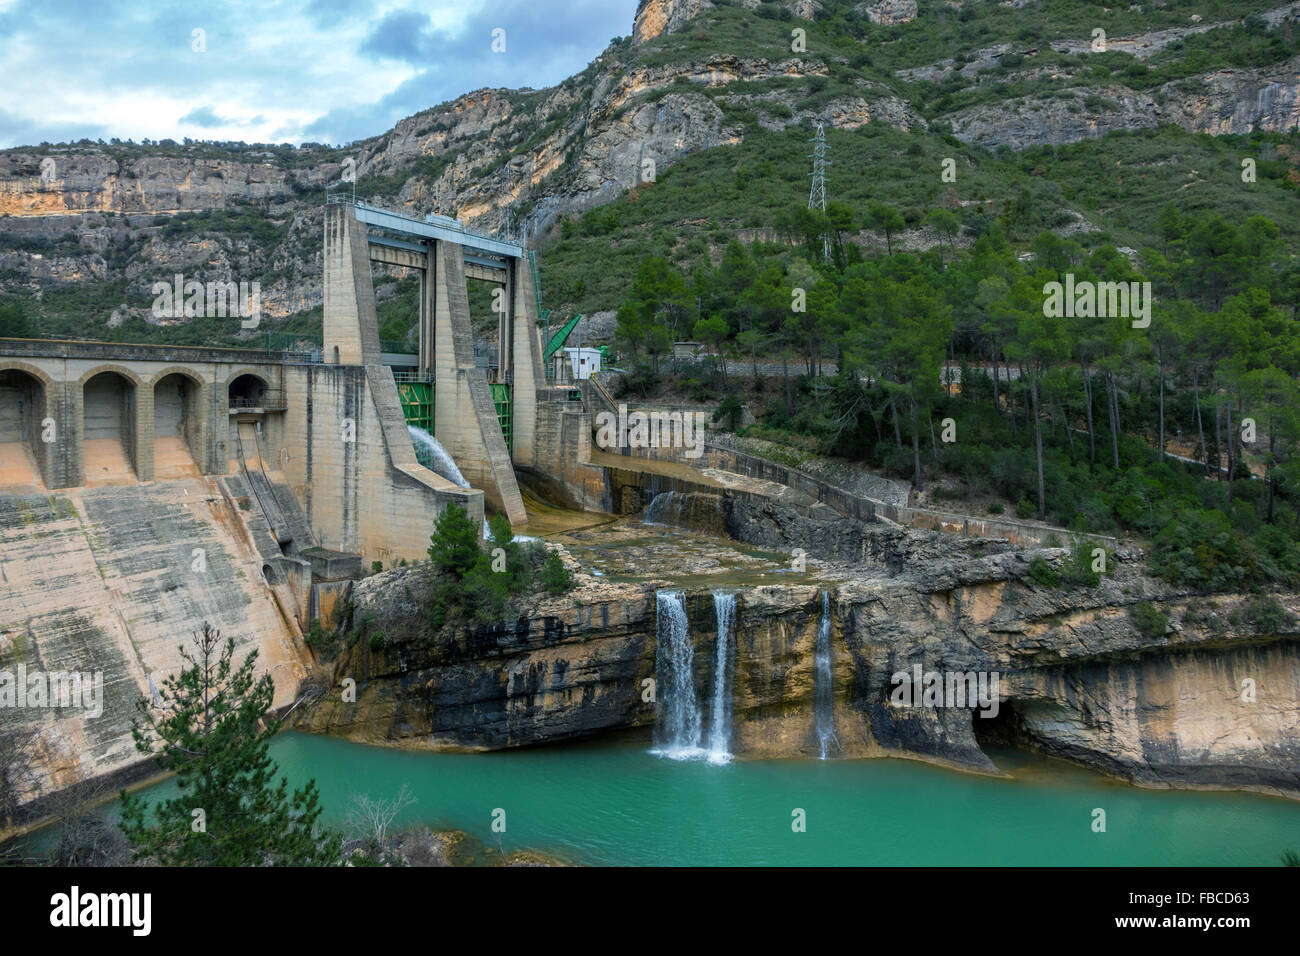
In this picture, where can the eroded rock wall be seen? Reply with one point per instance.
(1077, 677)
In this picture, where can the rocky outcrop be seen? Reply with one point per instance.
(1236, 101)
(1023, 122)
(654, 17)
(888, 12)
(1213, 701)
(567, 667)
(1224, 102)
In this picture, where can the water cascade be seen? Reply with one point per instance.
(430, 453)
(664, 508)
(823, 712)
(687, 510)
(678, 730)
(724, 607)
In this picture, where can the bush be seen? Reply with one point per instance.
(1078, 570)
(555, 577)
(1201, 549)
(1150, 622)
(1042, 572)
(1266, 613)
(378, 641)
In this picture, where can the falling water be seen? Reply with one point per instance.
(679, 716)
(822, 702)
(663, 508)
(724, 607)
(433, 456)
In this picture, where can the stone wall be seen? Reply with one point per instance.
(360, 483)
(64, 369)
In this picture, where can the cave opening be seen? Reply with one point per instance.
(1003, 729)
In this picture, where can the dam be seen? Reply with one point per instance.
(146, 490)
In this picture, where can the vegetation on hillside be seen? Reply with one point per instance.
(1075, 418)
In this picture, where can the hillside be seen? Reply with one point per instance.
(711, 102)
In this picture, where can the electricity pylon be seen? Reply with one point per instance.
(817, 195)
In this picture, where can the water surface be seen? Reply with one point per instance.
(616, 803)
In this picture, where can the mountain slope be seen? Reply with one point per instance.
(85, 229)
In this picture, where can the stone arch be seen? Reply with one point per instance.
(121, 370)
(109, 424)
(257, 371)
(188, 372)
(35, 371)
(247, 386)
(24, 403)
(180, 422)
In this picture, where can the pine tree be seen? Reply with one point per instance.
(210, 730)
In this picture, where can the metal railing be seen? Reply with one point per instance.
(271, 399)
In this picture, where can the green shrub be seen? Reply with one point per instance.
(1078, 568)
(555, 577)
(1042, 572)
(378, 641)
(1149, 621)
(1265, 613)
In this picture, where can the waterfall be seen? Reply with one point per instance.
(664, 507)
(431, 454)
(822, 700)
(724, 607)
(678, 730)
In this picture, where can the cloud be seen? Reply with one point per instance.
(15, 130)
(207, 117)
(203, 116)
(271, 70)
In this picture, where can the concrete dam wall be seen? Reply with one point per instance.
(110, 582)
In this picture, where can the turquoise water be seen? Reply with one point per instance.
(619, 804)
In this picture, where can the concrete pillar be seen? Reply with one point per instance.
(428, 310)
(529, 383)
(74, 413)
(143, 432)
(351, 324)
(465, 420)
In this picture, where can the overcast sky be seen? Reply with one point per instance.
(275, 70)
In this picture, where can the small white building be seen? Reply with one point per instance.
(583, 362)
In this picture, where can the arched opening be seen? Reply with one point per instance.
(176, 427)
(108, 429)
(336, 355)
(249, 391)
(22, 409)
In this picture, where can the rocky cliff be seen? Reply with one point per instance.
(1208, 697)
(521, 160)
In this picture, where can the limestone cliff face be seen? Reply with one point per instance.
(1076, 677)
(654, 17)
(1229, 101)
(65, 182)
(566, 668)
(1079, 681)
(521, 160)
